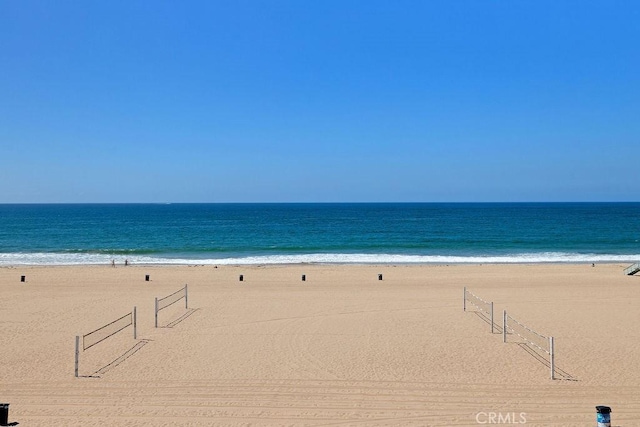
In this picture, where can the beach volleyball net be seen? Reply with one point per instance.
(90, 339)
(484, 308)
(543, 345)
(169, 300)
(106, 331)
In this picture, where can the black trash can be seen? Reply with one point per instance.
(146, 277)
(304, 277)
(23, 278)
(603, 416)
(241, 277)
(379, 276)
(4, 414)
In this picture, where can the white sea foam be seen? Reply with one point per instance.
(8, 259)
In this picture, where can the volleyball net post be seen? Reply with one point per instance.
(77, 355)
(491, 316)
(504, 325)
(552, 363)
(464, 299)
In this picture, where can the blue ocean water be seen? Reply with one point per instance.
(63, 234)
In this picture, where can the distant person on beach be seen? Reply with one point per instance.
(113, 263)
(126, 262)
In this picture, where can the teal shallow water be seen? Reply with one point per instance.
(349, 233)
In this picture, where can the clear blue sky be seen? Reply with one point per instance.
(319, 101)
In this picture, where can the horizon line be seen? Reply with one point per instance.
(323, 202)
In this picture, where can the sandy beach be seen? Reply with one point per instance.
(340, 348)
